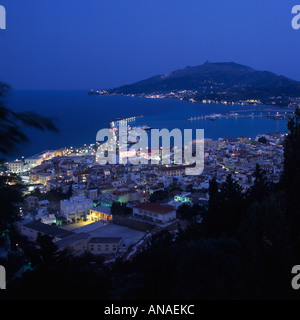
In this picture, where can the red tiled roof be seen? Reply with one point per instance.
(118, 192)
(105, 186)
(154, 207)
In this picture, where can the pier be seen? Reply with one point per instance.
(129, 119)
(115, 123)
(235, 114)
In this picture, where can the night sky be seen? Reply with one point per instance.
(95, 44)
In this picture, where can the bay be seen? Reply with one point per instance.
(80, 116)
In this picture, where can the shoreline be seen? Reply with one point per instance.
(96, 93)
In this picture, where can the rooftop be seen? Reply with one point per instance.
(105, 240)
(77, 237)
(154, 207)
(102, 209)
(49, 230)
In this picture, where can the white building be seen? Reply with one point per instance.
(48, 219)
(37, 159)
(104, 245)
(75, 207)
(33, 228)
(15, 166)
(33, 161)
(154, 212)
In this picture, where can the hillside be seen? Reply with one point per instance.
(216, 81)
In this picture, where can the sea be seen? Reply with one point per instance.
(79, 117)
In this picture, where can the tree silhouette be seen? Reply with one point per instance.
(12, 125)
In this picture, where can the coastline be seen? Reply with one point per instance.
(190, 100)
(79, 127)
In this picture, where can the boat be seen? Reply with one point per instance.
(144, 127)
(214, 116)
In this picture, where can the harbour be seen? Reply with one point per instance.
(157, 113)
(260, 113)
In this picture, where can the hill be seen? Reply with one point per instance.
(216, 81)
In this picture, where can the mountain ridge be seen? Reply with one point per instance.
(216, 81)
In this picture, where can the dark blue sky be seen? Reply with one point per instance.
(73, 44)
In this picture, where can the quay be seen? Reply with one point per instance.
(212, 117)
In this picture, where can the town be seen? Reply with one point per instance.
(113, 210)
(207, 97)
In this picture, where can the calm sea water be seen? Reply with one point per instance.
(80, 116)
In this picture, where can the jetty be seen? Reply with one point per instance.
(274, 115)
